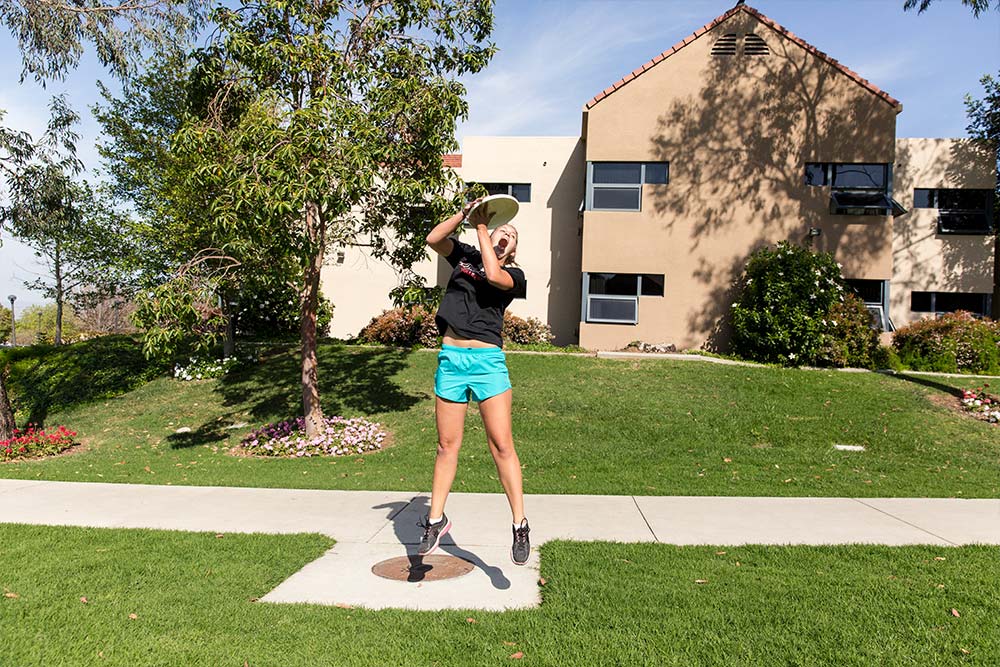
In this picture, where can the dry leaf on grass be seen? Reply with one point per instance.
(517, 656)
(954, 612)
(939, 558)
(510, 643)
(542, 581)
(964, 650)
(470, 620)
(720, 553)
(132, 617)
(219, 536)
(343, 605)
(83, 600)
(701, 581)
(727, 460)
(11, 594)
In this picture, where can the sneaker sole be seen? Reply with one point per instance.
(514, 561)
(443, 532)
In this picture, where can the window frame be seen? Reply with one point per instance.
(829, 170)
(508, 186)
(882, 305)
(987, 298)
(588, 296)
(634, 187)
(934, 202)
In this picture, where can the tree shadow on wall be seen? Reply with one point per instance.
(737, 150)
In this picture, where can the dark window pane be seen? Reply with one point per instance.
(495, 188)
(617, 198)
(617, 172)
(619, 310)
(964, 200)
(963, 222)
(652, 284)
(656, 173)
(870, 291)
(860, 203)
(859, 176)
(521, 192)
(618, 284)
(815, 173)
(922, 198)
(920, 302)
(947, 302)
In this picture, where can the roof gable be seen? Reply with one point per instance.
(857, 78)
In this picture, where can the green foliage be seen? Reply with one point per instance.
(954, 342)
(41, 319)
(51, 35)
(849, 339)
(5, 324)
(885, 357)
(403, 327)
(413, 291)
(984, 128)
(44, 377)
(782, 315)
(180, 318)
(268, 307)
(530, 331)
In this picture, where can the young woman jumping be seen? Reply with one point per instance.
(472, 364)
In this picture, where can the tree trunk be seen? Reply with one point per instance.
(311, 409)
(7, 424)
(59, 296)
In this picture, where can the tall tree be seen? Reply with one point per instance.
(984, 127)
(52, 34)
(353, 106)
(978, 7)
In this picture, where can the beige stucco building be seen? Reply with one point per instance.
(739, 136)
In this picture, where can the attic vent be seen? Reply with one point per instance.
(755, 46)
(725, 46)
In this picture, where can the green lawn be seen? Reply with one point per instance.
(603, 604)
(581, 424)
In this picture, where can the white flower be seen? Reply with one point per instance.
(791, 355)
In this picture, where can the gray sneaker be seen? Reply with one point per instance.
(522, 546)
(433, 532)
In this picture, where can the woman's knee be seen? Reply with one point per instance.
(502, 449)
(448, 446)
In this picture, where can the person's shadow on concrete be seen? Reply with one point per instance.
(404, 517)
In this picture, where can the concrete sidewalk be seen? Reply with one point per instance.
(370, 526)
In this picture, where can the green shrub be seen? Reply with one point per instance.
(530, 331)
(886, 358)
(849, 339)
(402, 326)
(954, 342)
(783, 313)
(268, 307)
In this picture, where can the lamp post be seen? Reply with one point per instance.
(13, 325)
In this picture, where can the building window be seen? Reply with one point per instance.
(855, 189)
(617, 186)
(948, 302)
(959, 211)
(875, 294)
(614, 297)
(519, 191)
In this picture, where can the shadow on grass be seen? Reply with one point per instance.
(47, 377)
(351, 382)
(927, 382)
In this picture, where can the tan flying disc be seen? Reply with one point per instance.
(503, 208)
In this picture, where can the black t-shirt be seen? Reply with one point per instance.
(471, 305)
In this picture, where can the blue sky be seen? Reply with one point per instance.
(557, 54)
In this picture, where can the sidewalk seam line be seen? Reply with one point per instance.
(389, 519)
(646, 521)
(893, 516)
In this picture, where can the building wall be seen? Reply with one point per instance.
(737, 132)
(924, 260)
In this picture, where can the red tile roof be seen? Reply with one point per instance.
(452, 160)
(865, 83)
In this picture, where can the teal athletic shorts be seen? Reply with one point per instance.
(476, 372)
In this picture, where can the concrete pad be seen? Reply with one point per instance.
(483, 519)
(343, 576)
(958, 520)
(751, 520)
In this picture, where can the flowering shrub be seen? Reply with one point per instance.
(531, 331)
(402, 326)
(953, 342)
(340, 437)
(981, 404)
(792, 308)
(202, 368)
(35, 442)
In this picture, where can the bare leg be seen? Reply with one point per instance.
(496, 413)
(450, 419)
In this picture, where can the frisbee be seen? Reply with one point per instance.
(503, 208)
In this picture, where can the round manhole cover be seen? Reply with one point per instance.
(422, 568)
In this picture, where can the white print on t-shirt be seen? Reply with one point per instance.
(471, 271)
